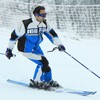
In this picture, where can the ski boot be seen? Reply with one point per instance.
(39, 85)
(53, 83)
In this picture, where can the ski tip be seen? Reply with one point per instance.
(93, 92)
(8, 80)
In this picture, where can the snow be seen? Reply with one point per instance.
(65, 70)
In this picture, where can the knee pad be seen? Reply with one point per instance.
(45, 67)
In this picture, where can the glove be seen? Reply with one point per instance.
(9, 53)
(61, 48)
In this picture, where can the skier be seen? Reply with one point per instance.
(29, 35)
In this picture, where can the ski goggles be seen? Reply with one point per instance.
(42, 15)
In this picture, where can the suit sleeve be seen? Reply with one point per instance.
(52, 36)
(18, 32)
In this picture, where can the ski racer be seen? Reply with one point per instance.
(28, 36)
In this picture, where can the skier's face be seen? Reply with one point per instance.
(40, 17)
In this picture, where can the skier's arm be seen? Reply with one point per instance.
(53, 37)
(15, 35)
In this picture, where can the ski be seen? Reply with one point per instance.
(57, 90)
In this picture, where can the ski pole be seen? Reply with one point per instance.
(77, 61)
(5, 54)
(82, 64)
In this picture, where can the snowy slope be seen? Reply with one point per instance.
(65, 70)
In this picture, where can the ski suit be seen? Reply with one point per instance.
(28, 35)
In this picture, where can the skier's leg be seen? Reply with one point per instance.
(35, 58)
(47, 74)
(38, 74)
(44, 65)
(43, 71)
